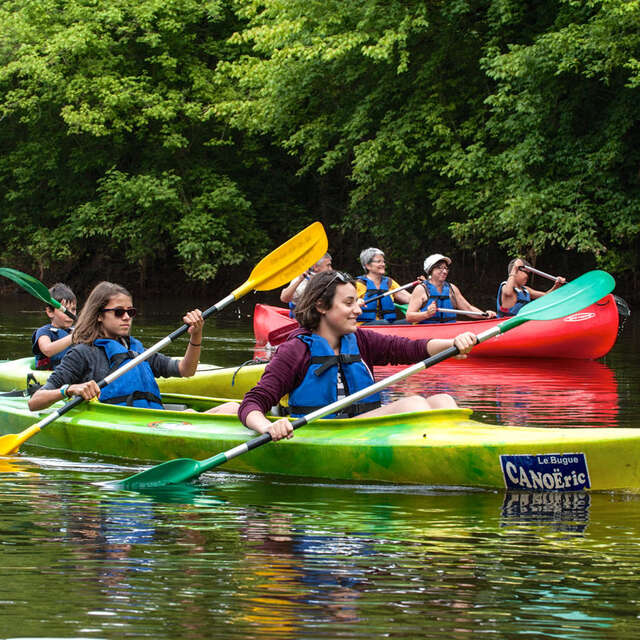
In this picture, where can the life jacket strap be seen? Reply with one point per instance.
(330, 361)
(136, 395)
(118, 358)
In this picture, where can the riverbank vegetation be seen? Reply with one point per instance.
(191, 137)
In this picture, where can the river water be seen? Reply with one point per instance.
(260, 557)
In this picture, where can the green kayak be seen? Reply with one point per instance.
(210, 380)
(436, 448)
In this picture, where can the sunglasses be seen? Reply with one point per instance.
(118, 312)
(345, 278)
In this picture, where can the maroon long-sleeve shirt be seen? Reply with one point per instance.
(289, 365)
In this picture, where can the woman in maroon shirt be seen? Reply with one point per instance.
(327, 312)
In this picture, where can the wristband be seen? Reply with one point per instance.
(63, 390)
(193, 344)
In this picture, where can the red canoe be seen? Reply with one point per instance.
(588, 334)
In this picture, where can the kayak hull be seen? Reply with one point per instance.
(210, 380)
(588, 334)
(436, 448)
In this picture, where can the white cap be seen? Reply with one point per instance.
(433, 260)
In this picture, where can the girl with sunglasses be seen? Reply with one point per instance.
(101, 343)
(330, 357)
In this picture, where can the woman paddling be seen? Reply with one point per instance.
(437, 293)
(329, 357)
(373, 284)
(513, 293)
(101, 344)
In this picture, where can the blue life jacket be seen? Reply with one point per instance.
(54, 333)
(442, 300)
(523, 296)
(384, 306)
(137, 387)
(320, 385)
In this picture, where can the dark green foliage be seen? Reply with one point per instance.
(199, 135)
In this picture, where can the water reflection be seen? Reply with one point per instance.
(544, 392)
(261, 558)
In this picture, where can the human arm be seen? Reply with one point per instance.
(379, 350)
(189, 363)
(287, 294)
(416, 302)
(79, 368)
(559, 281)
(401, 297)
(460, 302)
(283, 374)
(508, 295)
(49, 347)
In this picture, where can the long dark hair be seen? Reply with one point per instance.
(88, 328)
(320, 291)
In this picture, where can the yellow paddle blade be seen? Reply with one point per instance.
(11, 443)
(288, 261)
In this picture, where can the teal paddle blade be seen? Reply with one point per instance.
(30, 284)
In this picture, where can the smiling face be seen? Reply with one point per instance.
(377, 265)
(112, 326)
(439, 272)
(340, 318)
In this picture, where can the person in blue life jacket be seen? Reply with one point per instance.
(330, 357)
(513, 293)
(438, 293)
(292, 292)
(374, 283)
(102, 343)
(51, 341)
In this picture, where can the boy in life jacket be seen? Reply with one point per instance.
(330, 358)
(513, 293)
(292, 292)
(102, 343)
(51, 341)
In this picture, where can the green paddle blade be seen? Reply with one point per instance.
(567, 299)
(170, 472)
(30, 284)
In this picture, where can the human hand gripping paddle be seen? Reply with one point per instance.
(279, 267)
(35, 288)
(575, 296)
(462, 312)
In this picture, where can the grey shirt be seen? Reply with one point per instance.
(84, 362)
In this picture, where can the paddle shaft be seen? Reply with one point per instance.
(539, 273)
(390, 293)
(461, 312)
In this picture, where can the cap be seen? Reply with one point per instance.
(433, 260)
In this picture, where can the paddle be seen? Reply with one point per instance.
(390, 293)
(624, 311)
(483, 314)
(280, 266)
(573, 297)
(35, 288)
